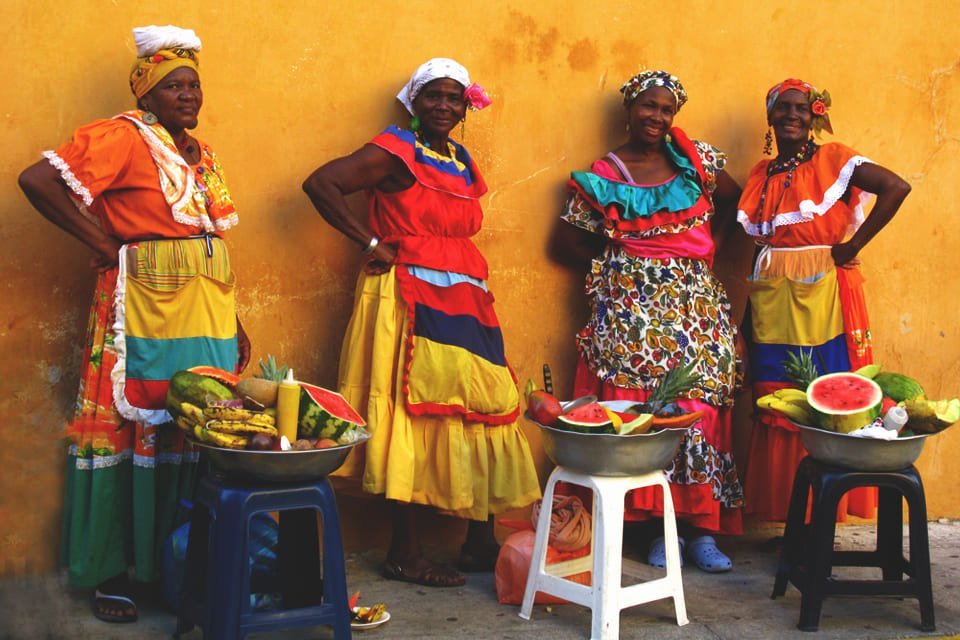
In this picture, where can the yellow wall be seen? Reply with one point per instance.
(290, 85)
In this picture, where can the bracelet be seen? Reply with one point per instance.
(371, 247)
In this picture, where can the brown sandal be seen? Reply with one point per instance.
(431, 575)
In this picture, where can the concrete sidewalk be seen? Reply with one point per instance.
(734, 606)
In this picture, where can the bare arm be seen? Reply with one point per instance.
(49, 195)
(366, 168)
(891, 190)
(725, 199)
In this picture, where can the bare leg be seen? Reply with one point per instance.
(405, 560)
(479, 552)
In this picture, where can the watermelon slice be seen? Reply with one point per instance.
(589, 418)
(844, 402)
(327, 414)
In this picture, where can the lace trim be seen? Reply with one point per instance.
(97, 462)
(809, 209)
(230, 221)
(75, 185)
(118, 375)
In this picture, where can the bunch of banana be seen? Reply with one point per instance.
(228, 427)
(790, 402)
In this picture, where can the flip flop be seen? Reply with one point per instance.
(705, 554)
(108, 601)
(657, 555)
(432, 575)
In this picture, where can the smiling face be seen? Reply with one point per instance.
(791, 117)
(176, 100)
(650, 115)
(440, 105)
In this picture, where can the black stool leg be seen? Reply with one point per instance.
(820, 562)
(920, 553)
(298, 557)
(890, 533)
(793, 532)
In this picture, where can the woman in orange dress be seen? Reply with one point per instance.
(150, 200)
(805, 210)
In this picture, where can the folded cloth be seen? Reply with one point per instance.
(570, 526)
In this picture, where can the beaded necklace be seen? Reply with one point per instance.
(789, 165)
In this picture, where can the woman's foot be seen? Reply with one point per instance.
(704, 553)
(657, 555)
(112, 601)
(419, 570)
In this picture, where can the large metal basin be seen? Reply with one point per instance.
(603, 454)
(278, 466)
(861, 454)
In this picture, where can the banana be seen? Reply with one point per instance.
(791, 394)
(796, 408)
(185, 423)
(237, 427)
(192, 412)
(238, 414)
(226, 440)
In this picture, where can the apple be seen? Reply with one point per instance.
(326, 443)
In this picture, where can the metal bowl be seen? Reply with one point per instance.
(603, 454)
(861, 454)
(278, 466)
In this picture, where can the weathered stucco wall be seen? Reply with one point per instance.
(291, 85)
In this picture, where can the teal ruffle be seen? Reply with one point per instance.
(634, 201)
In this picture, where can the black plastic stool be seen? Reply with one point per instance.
(808, 556)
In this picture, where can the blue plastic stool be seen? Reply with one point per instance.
(216, 591)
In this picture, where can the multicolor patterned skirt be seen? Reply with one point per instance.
(124, 479)
(449, 461)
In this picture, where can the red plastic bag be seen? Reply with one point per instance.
(513, 565)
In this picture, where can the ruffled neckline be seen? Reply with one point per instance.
(642, 201)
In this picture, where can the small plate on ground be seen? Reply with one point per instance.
(369, 625)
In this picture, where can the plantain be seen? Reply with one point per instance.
(225, 440)
(796, 409)
(192, 412)
(185, 423)
(791, 394)
(238, 414)
(237, 427)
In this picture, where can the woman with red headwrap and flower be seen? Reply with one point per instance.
(150, 200)
(645, 218)
(805, 210)
(423, 358)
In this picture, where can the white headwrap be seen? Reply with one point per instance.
(151, 39)
(429, 71)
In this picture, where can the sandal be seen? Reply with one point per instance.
(431, 575)
(105, 604)
(657, 555)
(705, 554)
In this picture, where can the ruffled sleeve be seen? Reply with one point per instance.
(98, 155)
(816, 187)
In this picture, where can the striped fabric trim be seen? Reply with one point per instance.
(444, 278)
(160, 358)
(462, 331)
(97, 462)
(767, 360)
(456, 175)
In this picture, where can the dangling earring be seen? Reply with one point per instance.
(463, 128)
(415, 124)
(768, 143)
(149, 118)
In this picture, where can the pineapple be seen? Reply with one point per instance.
(262, 389)
(674, 384)
(800, 369)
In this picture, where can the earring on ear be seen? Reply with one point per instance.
(768, 143)
(463, 128)
(415, 124)
(149, 118)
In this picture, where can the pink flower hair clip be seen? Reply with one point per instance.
(477, 97)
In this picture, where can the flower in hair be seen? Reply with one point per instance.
(819, 107)
(477, 97)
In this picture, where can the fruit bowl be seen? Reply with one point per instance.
(601, 454)
(861, 454)
(278, 466)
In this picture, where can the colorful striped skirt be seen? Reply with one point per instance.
(125, 479)
(458, 449)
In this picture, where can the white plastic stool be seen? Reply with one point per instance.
(605, 596)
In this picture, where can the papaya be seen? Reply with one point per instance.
(194, 389)
(931, 416)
